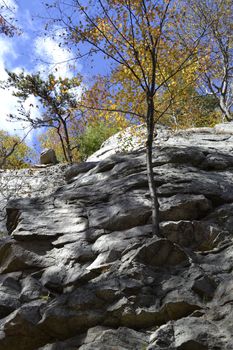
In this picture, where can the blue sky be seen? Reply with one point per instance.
(32, 51)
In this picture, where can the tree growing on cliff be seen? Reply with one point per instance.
(56, 96)
(88, 138)
(92, 126)
(136, 35)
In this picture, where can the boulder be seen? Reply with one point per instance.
(48, 156)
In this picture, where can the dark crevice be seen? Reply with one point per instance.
(13, 216)
(192, 345)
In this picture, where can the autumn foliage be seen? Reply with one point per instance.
(14, 153)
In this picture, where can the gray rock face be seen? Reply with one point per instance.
(80, 269)
(28, 183)
(48, 156)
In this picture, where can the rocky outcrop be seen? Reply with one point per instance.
(28, 183)
(48, 156)
(80, 268)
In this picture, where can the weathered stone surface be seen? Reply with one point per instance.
(70, 344)
(121, 240)
(184, 207)
(20, 256)
(80, 269)
(71, 313)
(180, 232)
(122, 214)
(126, 142)
(224, 128)
(25, 183)
(205, 287)
(198, 235)
(48, 156)
(77, 169)
(8, 301)
(190, 333)
(52, 278)
(103, 338)
(31, 289)
(160, 252)
(19, 331)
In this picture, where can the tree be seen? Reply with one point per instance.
(94, 126)
(135, 35)
(14, 153)
(216, 15)
(58, 98)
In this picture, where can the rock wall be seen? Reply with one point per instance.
(80, 268)
(23, 183)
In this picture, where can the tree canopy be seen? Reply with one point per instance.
(56, 96)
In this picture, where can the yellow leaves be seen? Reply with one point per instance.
(64, 91)
(155, 31)
(18, 157)
(100, 30)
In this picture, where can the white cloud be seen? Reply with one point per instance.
(8, 102)
(53, 58)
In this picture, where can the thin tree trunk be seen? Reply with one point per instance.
(68, 147)
(149, 164)
(5, 155)
(226, 112)
(62, 144)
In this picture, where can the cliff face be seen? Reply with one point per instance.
(81, 270)
(28, 183)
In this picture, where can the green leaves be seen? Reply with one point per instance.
(56, 97)
(93, 137)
